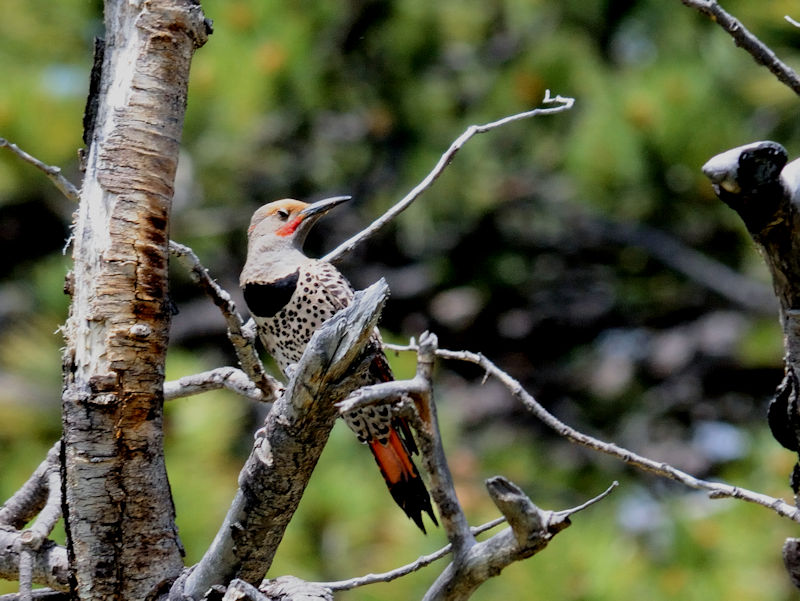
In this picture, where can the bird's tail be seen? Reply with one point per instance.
(401, 476)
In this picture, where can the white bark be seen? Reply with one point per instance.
(121, 535)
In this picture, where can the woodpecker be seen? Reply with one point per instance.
(291, 295)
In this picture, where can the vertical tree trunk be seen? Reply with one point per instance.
(121, 534)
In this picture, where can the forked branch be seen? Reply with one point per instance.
(473, 562)
(242, 343)
(716, 490)
(419, 563)
(31, 556)
(275, 475)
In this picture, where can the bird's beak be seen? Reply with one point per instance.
(323, 206)
(306, 218)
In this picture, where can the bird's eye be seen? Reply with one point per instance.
(283, 214)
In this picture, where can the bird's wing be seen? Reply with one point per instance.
(389, 438)
(331, 282)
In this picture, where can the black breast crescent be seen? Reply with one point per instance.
(266, 299)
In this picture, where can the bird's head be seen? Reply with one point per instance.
(289, 220)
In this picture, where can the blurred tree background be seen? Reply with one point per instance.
(554, 246)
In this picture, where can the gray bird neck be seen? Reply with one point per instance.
(267, 263)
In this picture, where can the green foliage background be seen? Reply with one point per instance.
(510, 253)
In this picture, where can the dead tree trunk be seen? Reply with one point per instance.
(121, 536)
(756, 182)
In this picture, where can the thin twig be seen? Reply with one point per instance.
(66, 187)
(762, 53)
(25, 573)
(242, 343)
(589, 503)
(716, 490)
(421, 562)
(564, 104)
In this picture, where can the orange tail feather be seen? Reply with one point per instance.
(402, 478)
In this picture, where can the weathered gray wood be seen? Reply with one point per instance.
(287, 449)
(40, 594)
(531, 529)
(755, 181)
(31, 497)
(290, 588)
(49, 561)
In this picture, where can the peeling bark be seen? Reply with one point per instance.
(121, 536)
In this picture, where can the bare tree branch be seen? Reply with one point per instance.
(32, 539)
(443, 490)
(41, 495)
(228, 377)
(48, 562)
(531, 529)
(762, 53)
(564, 104)
(66, 187)
(421, 562)
(243, 340)
(420, 390)
(39, 594)
(290, 588)
(473, 562)
(274, 477)
(717, 490)
(26, 556)
(425, 560)
(32, 496)
(50, 514)
(756, 182)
